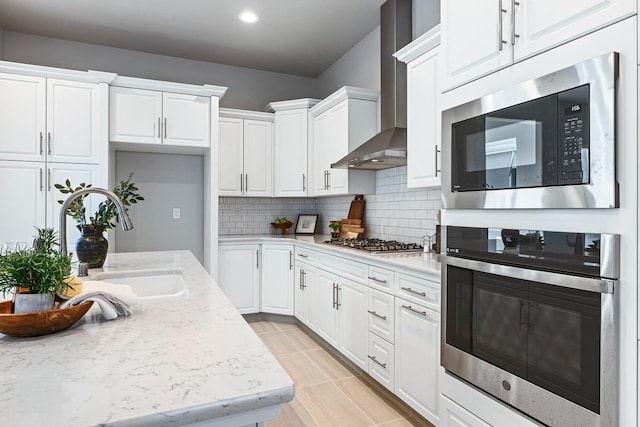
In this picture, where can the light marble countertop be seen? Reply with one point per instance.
(169, 363)
(425, 263)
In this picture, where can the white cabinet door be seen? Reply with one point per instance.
(319, 160)
(454, 415)
(306, 284)
(543, 24)
(135, 115)
(337, 147)
(325, 304)
(23, 198)
(423, 121)
(417, 354)
(77, 174)
(239, 276)
(351, 300)
(381, 361)
(22, 117)
(231, 171)
(475, 39)
(258, 155)
(186, 120)
(290, 149)
(277, 279)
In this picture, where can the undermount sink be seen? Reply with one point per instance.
(149, 284)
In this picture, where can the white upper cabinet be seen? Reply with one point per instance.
(423, 110)
(246, 153)
(153, 117)
(341, 123)
(290, 164)
(49, 119)
(22, 117)
(479, 37)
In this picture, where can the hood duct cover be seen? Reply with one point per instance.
(388, 148)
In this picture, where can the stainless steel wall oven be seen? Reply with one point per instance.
(530, 318)
(544, 143)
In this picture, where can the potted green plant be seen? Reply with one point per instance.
(92, 246)
(335, 229)
(35, 274)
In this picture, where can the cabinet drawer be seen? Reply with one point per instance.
(306, 255)
(381, 361)
(380, 308)
(454, 415)
(348, 269)
(418, 290)
(380, 279)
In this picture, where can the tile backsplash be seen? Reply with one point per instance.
(393, 213)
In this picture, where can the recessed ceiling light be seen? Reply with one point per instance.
(248, 17)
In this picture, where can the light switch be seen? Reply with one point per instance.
(176, 213)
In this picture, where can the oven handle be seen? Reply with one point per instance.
(602, 286)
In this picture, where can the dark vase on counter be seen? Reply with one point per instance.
(91, 246)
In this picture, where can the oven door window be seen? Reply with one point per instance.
(564, 343)
(515, 147)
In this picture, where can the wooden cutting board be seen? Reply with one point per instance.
(356, 210)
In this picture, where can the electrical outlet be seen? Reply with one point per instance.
(176, 213)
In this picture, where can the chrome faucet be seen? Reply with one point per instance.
(124, 219)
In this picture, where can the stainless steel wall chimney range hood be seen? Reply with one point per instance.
(388, 149)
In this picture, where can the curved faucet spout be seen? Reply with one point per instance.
(124, 219)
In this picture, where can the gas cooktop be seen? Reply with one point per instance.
(377, 246)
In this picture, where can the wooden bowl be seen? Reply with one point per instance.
(40, 322)
(281, 226)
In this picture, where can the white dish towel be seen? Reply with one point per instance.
(114, 300)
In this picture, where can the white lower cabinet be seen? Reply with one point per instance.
(277, 279)
(454, 415)
(417, 355)
(304, 294)
(239, 276)
(381, 316)
(381, 361)
(325, 302)
(351, 302)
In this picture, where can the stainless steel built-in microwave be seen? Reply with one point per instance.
(544, 143)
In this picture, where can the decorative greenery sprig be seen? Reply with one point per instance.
(334, 226)
(41, 269)
(107, 213)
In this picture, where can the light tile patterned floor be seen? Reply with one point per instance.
(329, 392)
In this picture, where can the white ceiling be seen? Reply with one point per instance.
(302, 37)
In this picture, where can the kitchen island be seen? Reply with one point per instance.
(174, 361)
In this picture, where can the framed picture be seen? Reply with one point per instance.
(306, 224)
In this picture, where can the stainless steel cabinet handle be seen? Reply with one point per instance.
(41, 138)
(246, 182)
(159, 128)
(384, 365)
(334, 295)
(290, 260)
(257, 258)
(373, 313)
(303, 256)
(377, 280)
(242, 183)
(301, 279)
(422, 313)
(338, 296)
(422, 294)
(500, 12)
(49, 179)
(304, 280)
(304, 182)
(49, 142)
(165, 127)
(41, 184)
(328, 180)
(514, 36)
(436, 159)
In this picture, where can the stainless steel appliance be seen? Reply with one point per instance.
(378, 246)
(544, 143)
(530, 318)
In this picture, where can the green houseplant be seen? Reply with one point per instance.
(335, 229)
(35, 274)
(92, 246)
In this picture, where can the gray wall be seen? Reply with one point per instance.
(248, 88)
(166, 181)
